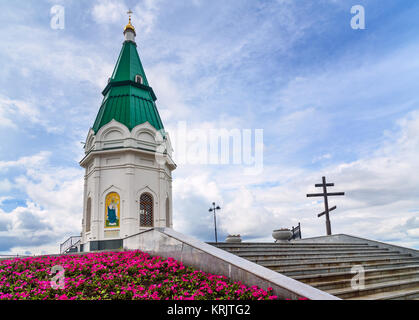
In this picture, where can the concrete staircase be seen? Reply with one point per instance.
(389, 273)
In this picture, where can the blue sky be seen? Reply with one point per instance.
(331, 101)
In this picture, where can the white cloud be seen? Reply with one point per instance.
(5, 186)
(57, 70)
(380, 201)
(198, 184)
(245, 216)
(64, 58)
(355, 85)
(145, 15)
(413, 232)
(18, 110)
(193, 68)
(326, 156)
(29, 162)
(53, 208)
(109, 11)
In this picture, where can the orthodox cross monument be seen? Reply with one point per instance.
(325, 195)
(128, 164)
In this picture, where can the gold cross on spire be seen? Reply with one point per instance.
(129, 15)
(129, 25)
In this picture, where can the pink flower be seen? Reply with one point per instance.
(108, 275)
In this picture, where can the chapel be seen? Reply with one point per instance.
(128, 158)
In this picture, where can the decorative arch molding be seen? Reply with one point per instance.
(146, 136)
(146, 189)
(113, 188)
(112, 134)
(143, 126)
(141, 132)
(113, 130)
(90, 141)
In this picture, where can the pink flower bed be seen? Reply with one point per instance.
(118, 275)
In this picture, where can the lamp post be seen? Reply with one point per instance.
(214, 209)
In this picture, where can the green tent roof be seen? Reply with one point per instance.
(125, 100)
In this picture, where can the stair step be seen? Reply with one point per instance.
(403, 294)
(314, 255)
(276, 247)
(376, 288)
(346, 283)
(306, 251)
(325, 277)
(336, 263)
(293, 271)
(389, 274)
(308, 259)
(291, 244)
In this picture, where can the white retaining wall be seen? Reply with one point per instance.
(191, 252)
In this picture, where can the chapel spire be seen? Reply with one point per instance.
(128, 97)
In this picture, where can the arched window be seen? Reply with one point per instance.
(139, 79)
(167, 213)
(146, 210)
(88, 214)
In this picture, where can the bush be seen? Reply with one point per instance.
(117, 275)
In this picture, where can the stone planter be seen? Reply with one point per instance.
(282, 235)
(233, 239)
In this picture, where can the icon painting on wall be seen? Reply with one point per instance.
(112, 210)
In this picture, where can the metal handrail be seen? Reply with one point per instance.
(69, 243)
(296, 232)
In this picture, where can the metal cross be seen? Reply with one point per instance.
(129, 13)
(325, 194)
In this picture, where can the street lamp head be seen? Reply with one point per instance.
(213, 203)
(210, 210)
(218, 208)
